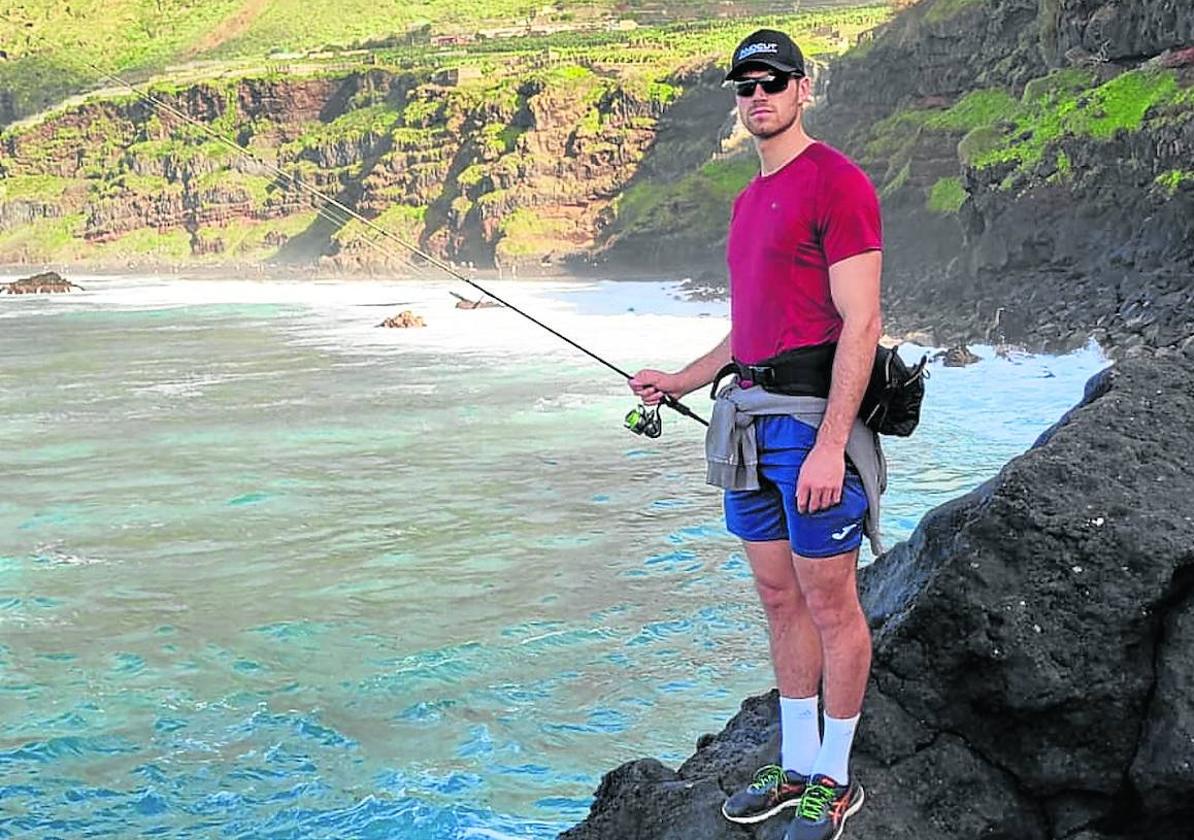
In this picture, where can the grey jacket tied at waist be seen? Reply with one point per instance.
(732, 449)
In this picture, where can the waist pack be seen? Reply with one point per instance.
(890, 405)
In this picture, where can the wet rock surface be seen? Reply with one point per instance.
(957, 356)
(403, 320)
(48, 282)
(1033, 661)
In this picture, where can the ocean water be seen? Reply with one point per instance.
(268, 571)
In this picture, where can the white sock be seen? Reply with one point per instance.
(834, 758)
(801, 735)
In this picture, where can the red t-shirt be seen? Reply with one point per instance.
(786, 229)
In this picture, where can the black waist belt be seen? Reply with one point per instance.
(803, 372)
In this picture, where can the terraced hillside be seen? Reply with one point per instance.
(522, 149)
(50, 49)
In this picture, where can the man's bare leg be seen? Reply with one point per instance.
(795, 646)
(830, 590)
(795, 651)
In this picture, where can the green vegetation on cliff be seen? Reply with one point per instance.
(1174, 179)
(51, 43)
(260, 240)
(943, 10)
(358, 124)
(527, 233)
(49, 239)
(947, 195)
(399, 220)
(992, 128)
(256, 187)
(143, 184)
(1120, 104)
(974, 110)
(698, 203)
(34, 187)
(148, 245)
(54, 48)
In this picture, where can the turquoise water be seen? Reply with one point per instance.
(268, 571)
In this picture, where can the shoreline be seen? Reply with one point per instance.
(273, 273)
(927, 335)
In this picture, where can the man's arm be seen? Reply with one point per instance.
(651, 385)
(854, 286)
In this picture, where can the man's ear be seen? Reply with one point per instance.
(804, 92)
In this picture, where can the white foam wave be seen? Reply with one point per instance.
(631, 323)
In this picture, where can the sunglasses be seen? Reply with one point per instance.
(771, 84)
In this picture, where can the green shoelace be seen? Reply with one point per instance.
(815, 800)
(770, 776)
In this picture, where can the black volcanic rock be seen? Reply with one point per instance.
(926, 51)
(47, 282)
(1115, 30)
(1093, 240)
(957, 356)
(1034, 653)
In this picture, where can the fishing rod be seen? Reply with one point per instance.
(642, 420)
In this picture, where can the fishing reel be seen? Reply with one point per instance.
(645, 420)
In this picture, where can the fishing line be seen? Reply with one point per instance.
(639, 426)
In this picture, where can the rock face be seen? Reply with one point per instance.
(941, 49)
(48, 282)
(1033, 662)
(1107, 232)
(957, 356)
(1114, 30)
(477, 304)
(525, 171)
(688, 136)
(403, 320)
(1080, 226)
(1012, 215)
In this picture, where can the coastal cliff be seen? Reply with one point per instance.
(1033, 658)
(539, 150)
(524, 168)
(1033, 159)
(1034, 162)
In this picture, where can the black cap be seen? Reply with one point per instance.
(766, 48)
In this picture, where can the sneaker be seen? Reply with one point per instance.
(772, 790)
(823, 809)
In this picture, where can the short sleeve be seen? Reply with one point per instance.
(850, 220)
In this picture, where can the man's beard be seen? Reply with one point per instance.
(767, 135)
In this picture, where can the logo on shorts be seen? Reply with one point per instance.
(841, 535)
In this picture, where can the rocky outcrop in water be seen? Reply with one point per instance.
(1034, 663)
(480, 303)
(958, 356)
(403, 320)
(48, 282)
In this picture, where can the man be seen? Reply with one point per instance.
(804, 257)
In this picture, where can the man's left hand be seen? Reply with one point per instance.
(821, 477)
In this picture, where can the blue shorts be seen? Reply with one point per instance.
(769, 513)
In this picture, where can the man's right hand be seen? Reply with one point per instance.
(651, 385)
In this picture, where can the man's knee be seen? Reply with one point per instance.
(832, 606)
(779, 597)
